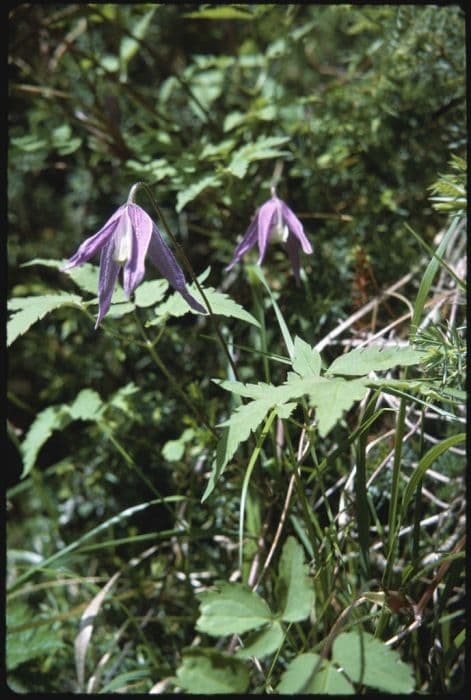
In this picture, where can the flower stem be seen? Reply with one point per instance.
(193, 277)
(170, 378)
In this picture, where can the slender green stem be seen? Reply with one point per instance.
(170, 378)
(248, 474)
(394, 498)
(130, 461)
(362, 506)
(191, 272)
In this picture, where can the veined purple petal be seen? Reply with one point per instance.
(164, 260)
(292, 246)
(134, 268)
(109, 269)
(266, 216)
(93, 244)
(296, 227)
(248, 241)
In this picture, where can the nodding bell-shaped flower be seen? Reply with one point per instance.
(274, 221)
(124, 241)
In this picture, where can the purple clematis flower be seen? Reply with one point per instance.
(274, 221)
(125, 239)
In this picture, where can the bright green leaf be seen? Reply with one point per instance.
(220, 303)
(332, 397)
(239, 426)
(262, 148)
(150, 293)
(262, 643)
(232, 609)
(48, 420)
(194, 190)
(27, 644)
(86, 406)
(207, 672)
(307, 674)
(294, 588)
(29, 310)
(364, 360)
(369, 661)
(306, 360)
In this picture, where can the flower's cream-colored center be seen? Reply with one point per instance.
(279, 230)
(123, 239)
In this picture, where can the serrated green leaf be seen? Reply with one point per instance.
(306, 360)
(251, 391)
(234, 119)
(232, 609)
(48, 420)
(369, 661)
(207, 672)
(364, 360)
(29, 310)
(150, 293)
(307, 674)
(194, 190)
(262, 643)
(285, 410)
(87, 405)
(294, 588)
(332, 397)
(239, 426)
(261, 149)
(220, 303)
(27, 644)
(86, 277)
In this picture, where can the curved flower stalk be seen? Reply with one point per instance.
(124, 241)
(274, 221)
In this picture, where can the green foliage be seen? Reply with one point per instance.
(356, 658)
(309, 674)
(86, 406)
(294, 588)
(29, 310)
(372, 359)
(299, 444)
(220, 303)
(205, 671)
(331, 396)
(449, 191)
(232, 609)
(369, 662)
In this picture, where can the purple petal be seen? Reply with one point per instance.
(141, 234)
(292, 246)
(109, 269)
(91, 245)
(165, 262)
(266, 216)
(296, 227)
(248, 241)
